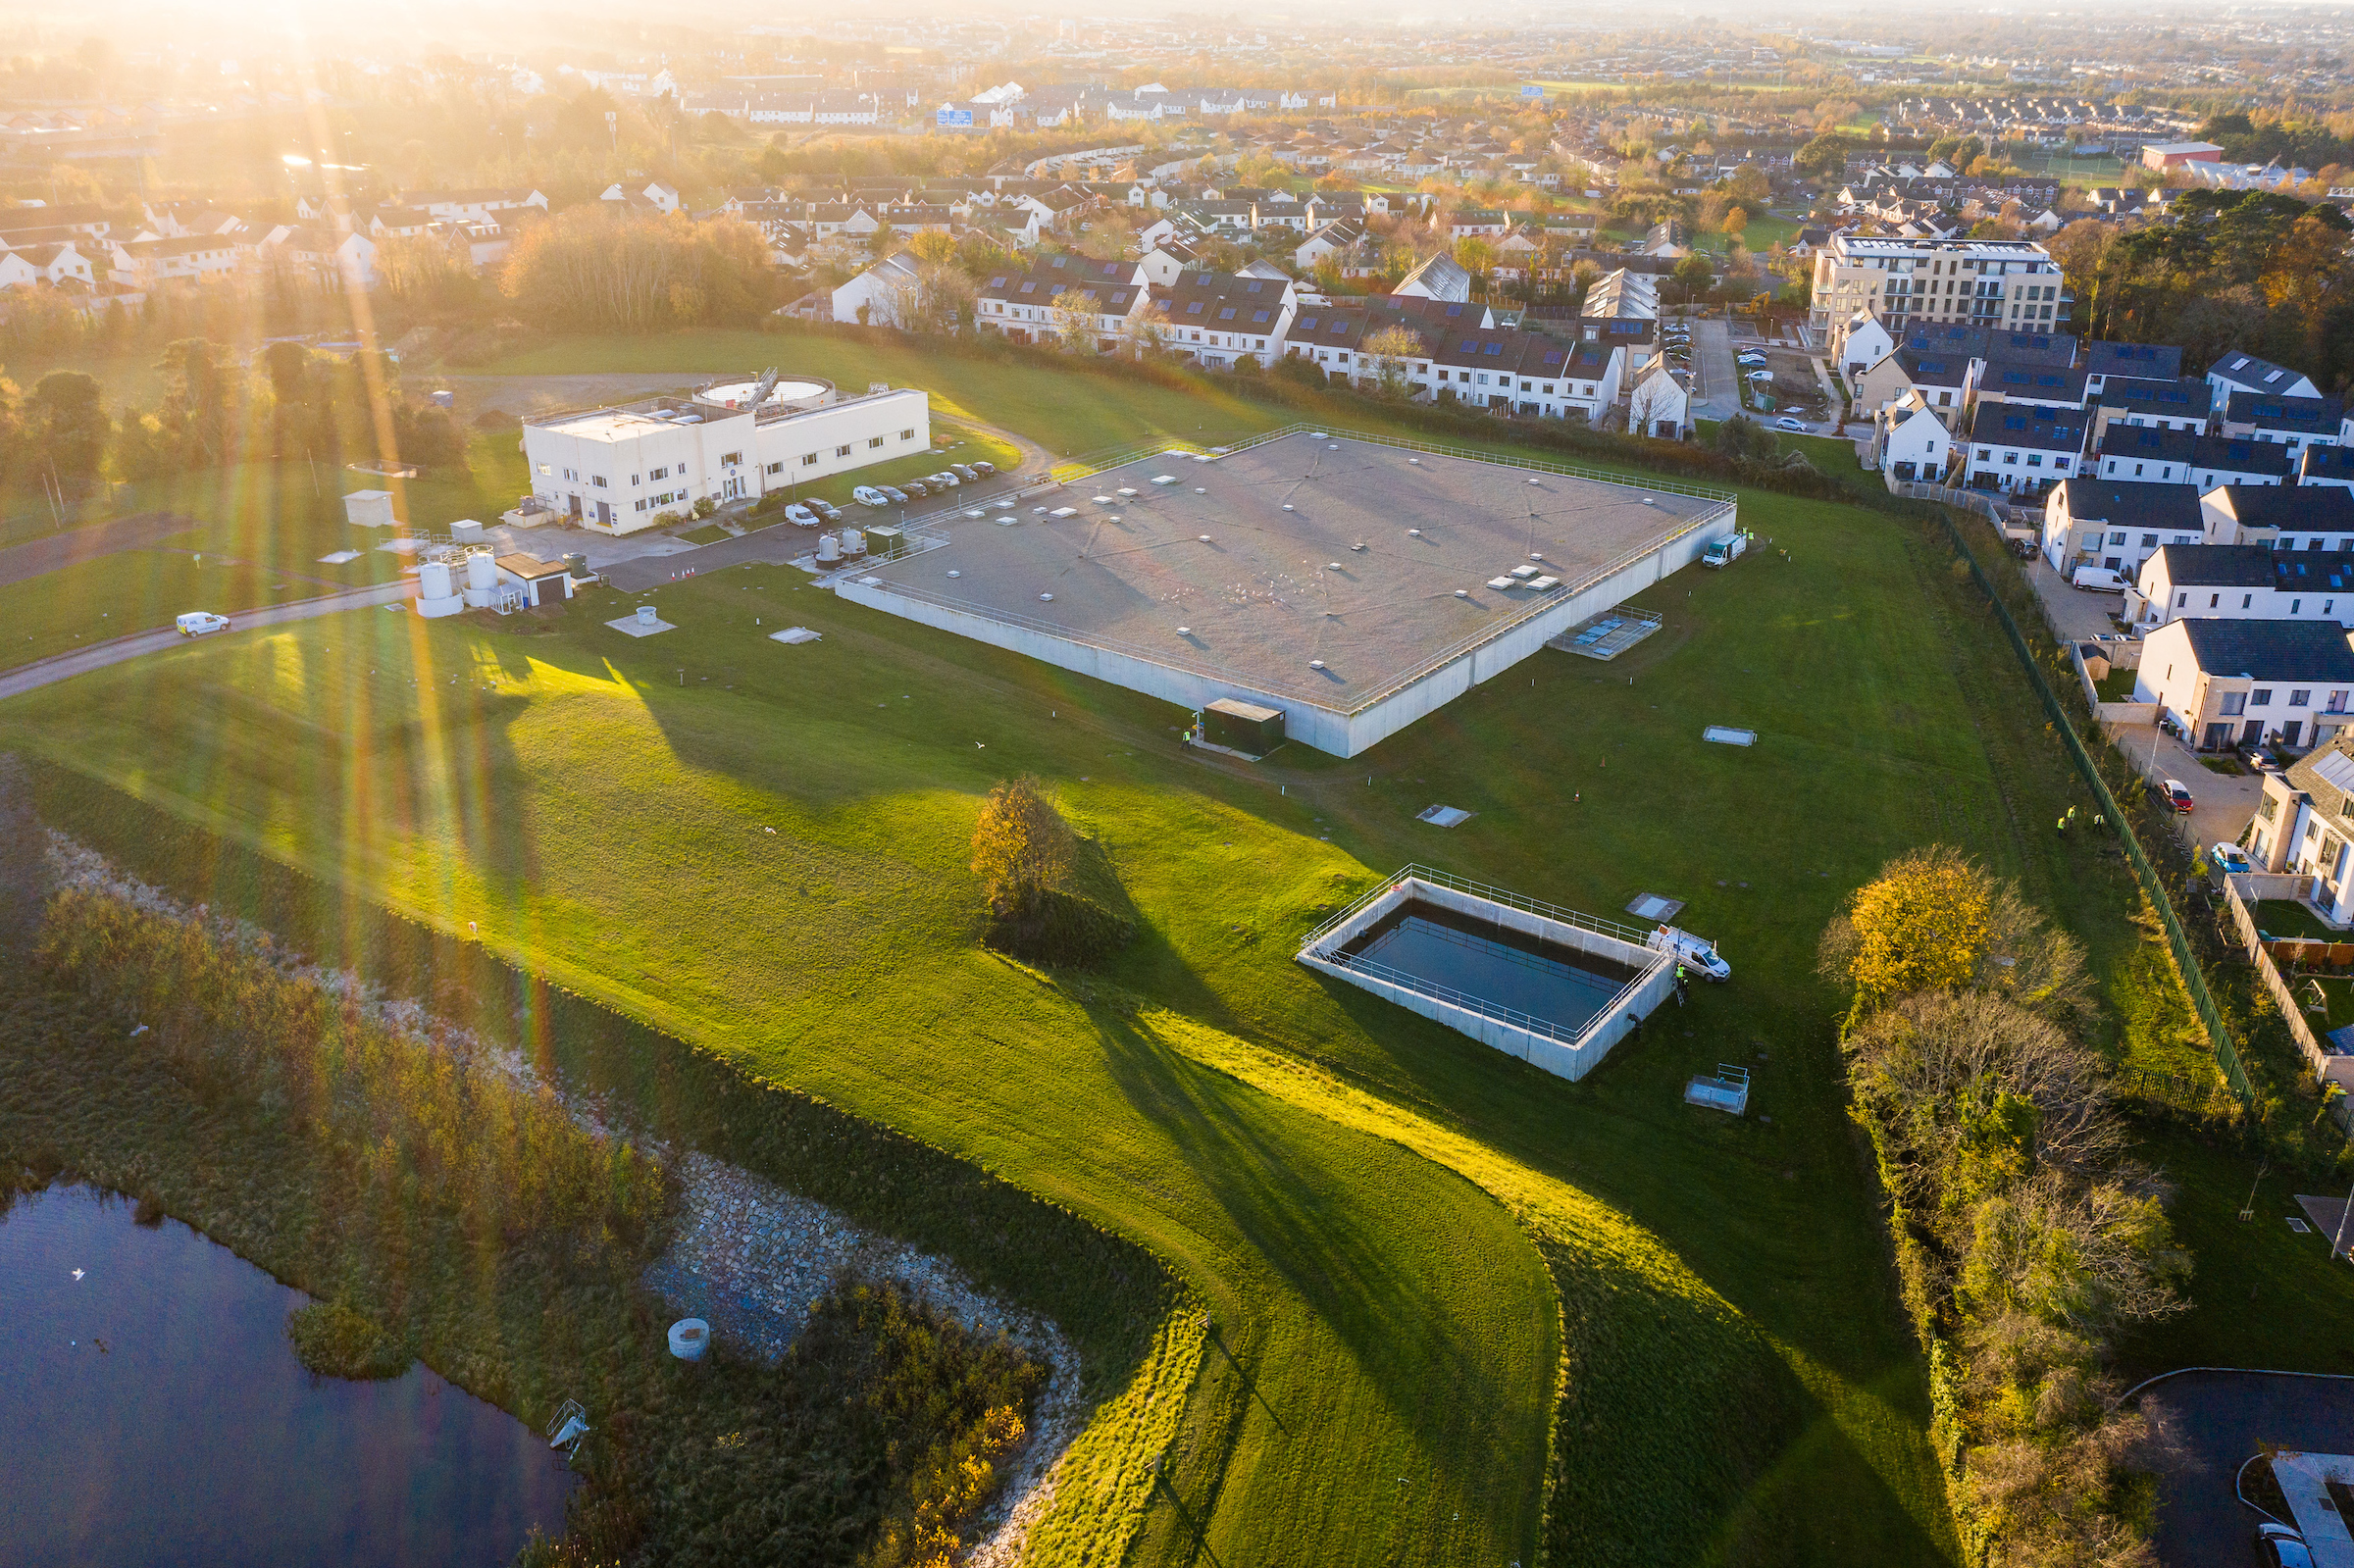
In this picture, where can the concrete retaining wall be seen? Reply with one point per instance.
(1572, 1059)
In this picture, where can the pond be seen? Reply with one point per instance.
(152, 1412)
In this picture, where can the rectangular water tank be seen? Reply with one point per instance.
(369, 509)
(466, 530)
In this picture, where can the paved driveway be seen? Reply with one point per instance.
(2219, 1419)
(2226, 803)
(2076, 613)
(1714, 396)
(65, 665)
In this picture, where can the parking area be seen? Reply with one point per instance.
(2076, 613)
(1795, 392)
(2226, 802)
(2218, 1420)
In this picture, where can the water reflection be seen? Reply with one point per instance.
(152, 1414)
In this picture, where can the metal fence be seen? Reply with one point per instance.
(2194, 979)
(1417, 872)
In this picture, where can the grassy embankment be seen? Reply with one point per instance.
(1308, 1159)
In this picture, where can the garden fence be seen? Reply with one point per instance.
(2194, 979)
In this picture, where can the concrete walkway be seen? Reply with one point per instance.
(65, 665)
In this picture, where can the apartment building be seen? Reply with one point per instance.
(1998, 285)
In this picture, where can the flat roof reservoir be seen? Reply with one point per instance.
(1516, 971)
(1550, 986)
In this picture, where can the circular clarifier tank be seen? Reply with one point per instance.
(788, 393)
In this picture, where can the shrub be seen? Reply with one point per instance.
(333, 1341)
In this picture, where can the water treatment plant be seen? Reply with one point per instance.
(1353, 584)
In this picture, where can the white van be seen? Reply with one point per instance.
(2099, 580)
(868, 496)
(196, 622)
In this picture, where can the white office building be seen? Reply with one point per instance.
(617, 469)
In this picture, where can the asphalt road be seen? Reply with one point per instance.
(2217, 1419)
(1716, 397)
(65, 665)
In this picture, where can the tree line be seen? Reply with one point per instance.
(286, 402)
(2026, 1233)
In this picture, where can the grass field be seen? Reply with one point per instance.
(1418, 1257)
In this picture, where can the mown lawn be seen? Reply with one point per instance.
(1402, 1238)
(1352, 1191)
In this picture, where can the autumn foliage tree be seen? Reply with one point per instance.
(595, 271)
(1022, 849)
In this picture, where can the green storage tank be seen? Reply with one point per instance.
(1243, 727)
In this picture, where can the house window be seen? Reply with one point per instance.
(2268, 808)
(907, 436)
(808, 460)
(2300, 698)
(2261, 697)
(597, 480)
(778, 467)
(543, 471)
(2246, 599)
(730, 460)
(842, 451)
(874, 441)
(659, 473)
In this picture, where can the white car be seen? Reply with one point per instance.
(196, 622)
(801, 516)
(1798, 426)
(1692, 952)
(868, 496)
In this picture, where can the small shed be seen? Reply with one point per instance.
(369, 509)
(1243, 727)
(2096, 660)
(885, 543)
(540, 582)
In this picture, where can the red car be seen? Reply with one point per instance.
(2177, 796)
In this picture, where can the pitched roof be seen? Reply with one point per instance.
(2029, 426)
(2133, 503)
(2291, 508)
(2214, 566)
(2273, 413)
(2145, 361)
(2188, 397)
(2270, 650)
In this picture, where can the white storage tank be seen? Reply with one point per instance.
(436, 590)
(829, 547)
(853, 543)
(481, 579)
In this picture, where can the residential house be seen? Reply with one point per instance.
(2233, 683)
(1219, 318)
(1021, 305)
(1865, 342)
(2245, 373)
(2281, 517)
(2088, 520)
(2326, 465)
(654, 196)
(2023, 448)
(1437, 278)
(149, 264)
(1908, 442)
(1331, 242)
(1939, 378)
(2179, 457)
(336, 261)
(2304, 821)
(2292, 421)
(2181, 404)
(880, 295)
(2243, 582)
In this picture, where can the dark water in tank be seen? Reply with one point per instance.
(1504, 969)
(194, 1436)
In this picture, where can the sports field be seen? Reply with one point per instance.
(1434, 1275)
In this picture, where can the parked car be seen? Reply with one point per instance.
(2230, 858)
(2177, 796)
(916, 490)
(985, 469)
(2256, 759)
(894, 494)
(943, 480)
(824, 509)
(868, 496)
(196, 622)
(2279, 1547)
(801, 516)
(1797, 426)
(964, 472)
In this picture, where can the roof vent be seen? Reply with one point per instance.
(1185, 630)
(1205, 538)
(1413, 533)
(1315, 663)
(1462, 594)
(1045, 598)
